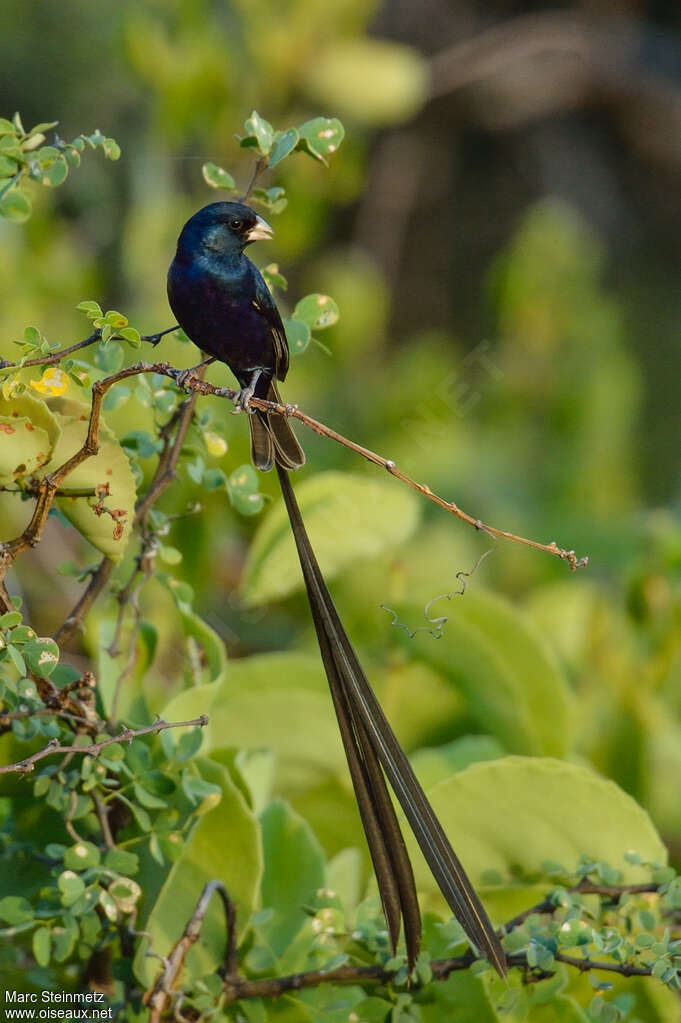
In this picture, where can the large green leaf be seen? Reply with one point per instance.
(294, 870)
(511, 815)
(514, 686)
(224, 846)
(29, 432)
(279, 701)
(107, 472)
(347, 517)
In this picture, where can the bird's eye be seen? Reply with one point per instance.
(236, 224)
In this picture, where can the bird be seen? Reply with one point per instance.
(223, 304)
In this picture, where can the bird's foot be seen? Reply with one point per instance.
(242, 401)
(184, 376)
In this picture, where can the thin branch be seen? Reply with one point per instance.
(292, 411)
(53, 357)
(74, 622)
(166, 472)
(237, 987)
(259, 167)
(584, 887)
(158, 997)
(95, 748)
(103, 815)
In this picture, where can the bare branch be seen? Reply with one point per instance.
(158, 997)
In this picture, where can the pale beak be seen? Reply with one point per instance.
(260, 232)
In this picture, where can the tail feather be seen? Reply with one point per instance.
(272, 438)
(375, 746)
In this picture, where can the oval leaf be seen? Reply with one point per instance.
(317, 311)
(347, 517)
(29, 432)
(106, 521)
(212, 850)
(511, 815)
(216, 177)
(513, 683)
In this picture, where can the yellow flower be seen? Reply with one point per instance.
(53, 382)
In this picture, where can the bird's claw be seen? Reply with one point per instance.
(184, 377)
(242, 402)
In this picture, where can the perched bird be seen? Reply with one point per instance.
(223, 304)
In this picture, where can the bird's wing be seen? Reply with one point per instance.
(267, 308)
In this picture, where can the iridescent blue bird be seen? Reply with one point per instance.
(223, 304)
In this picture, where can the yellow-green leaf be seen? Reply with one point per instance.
(105, 520)
(348, 517)
(513, 814)
(224, 845)
(29, 432)
(501, 663)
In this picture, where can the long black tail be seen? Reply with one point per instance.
(372, 749)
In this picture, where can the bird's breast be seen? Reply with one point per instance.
(218, 314)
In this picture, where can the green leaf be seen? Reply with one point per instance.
(284, 143)
(347, 517)
(254, 706)
(42, 946)
(64, 938)
(515, 688)
(122, 861)
(16, 658)
(189, 743)
(14, 205)
(108, 472)
(82, 855)
(321, 137)
(29, 433)
(147, 799)
(14, 909)
(258, 128)
(294, 869)
(370, 81)
(71, 887)
(10, 619)
(211, 851)
(216, 177)
(433, 765)
(317, 311)
(55, 173)
(125, 893)
(41, 655)
(508, 816)
(6, 127)
(92, 309)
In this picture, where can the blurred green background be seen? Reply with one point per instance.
(501, 231)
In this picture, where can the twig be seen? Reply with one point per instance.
(49, 360)
(237, 987)
(95, 748)
(194, 384)
(103, 815)
(74, 621)
(260, 166)
(166, 472)
(158, 997)
(584, 887)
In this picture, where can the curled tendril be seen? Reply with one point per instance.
(438, 624)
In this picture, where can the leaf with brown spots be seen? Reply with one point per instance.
(33, 430)
(106, 518)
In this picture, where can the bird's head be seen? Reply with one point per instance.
(222, 228)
